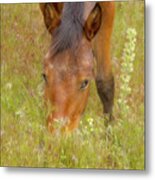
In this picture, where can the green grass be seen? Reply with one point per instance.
(25, 140)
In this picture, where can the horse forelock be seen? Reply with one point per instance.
(69, 32)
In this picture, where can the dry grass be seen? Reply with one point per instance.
(24, 138)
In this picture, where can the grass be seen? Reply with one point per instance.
(25, 140)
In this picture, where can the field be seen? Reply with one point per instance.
(25, 140)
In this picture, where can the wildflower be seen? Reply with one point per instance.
(20, 113)
(128, 58)
(8, 85)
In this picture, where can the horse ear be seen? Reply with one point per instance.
(93, 22)
(52, 15)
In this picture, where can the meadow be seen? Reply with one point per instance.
(25, 140)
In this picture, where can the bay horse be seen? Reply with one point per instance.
(81, 32)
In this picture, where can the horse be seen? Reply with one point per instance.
(81, 34)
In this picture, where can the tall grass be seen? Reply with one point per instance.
(25, 140)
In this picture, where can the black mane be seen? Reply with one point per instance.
(70, 30)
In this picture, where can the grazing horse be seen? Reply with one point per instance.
(81, 32)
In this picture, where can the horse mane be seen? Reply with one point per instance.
(69, 32)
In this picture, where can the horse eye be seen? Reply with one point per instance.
(84, 84)
(44, 77)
